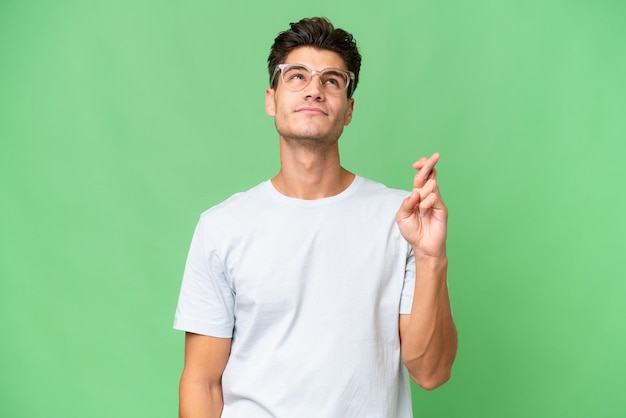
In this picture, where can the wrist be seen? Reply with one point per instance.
(431, 262)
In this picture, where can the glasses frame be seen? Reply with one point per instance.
(281, 68)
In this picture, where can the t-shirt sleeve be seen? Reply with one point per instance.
(406, 299)
(206, 301)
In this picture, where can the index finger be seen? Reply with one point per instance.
(426, 170)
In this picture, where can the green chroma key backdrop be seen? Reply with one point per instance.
(121, 121)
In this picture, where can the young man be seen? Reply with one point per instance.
(313, 294)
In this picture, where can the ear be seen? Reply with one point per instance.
(348, 117)
(270, 103)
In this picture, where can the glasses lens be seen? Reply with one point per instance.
(296, 77)
(334, 80)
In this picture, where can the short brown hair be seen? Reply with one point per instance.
(316, 32)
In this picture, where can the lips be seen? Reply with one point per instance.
(311, 110)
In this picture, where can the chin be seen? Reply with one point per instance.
(310, 135)
(309, 141)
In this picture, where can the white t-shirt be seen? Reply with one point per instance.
(310, 292)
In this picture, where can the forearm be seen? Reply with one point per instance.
(200, 399)
(429, 339)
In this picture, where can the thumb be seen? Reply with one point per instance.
(407, 208)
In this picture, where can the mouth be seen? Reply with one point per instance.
(311, 110)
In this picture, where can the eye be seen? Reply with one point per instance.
(296, 74)
(334, 79)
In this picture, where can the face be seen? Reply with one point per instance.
(310, 116)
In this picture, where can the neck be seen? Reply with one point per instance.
(310, 173)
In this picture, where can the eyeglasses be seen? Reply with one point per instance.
(297, 76)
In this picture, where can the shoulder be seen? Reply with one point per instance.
(255, 195)
(372, 198)
(237, 205)
(373, 190)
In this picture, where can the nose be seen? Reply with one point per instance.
(315, 89)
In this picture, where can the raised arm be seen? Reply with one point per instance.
(428, 336)
(201, 382)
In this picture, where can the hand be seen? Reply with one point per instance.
(423, 217)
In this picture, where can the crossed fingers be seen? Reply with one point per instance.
(426, 170)
(425, 183)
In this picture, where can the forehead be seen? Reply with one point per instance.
(317, 59)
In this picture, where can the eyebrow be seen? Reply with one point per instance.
(335, 70)
(295, 64)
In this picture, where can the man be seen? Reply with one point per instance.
(304, 296)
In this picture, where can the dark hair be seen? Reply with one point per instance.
(319, 33)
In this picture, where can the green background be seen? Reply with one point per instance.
(121, 121)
